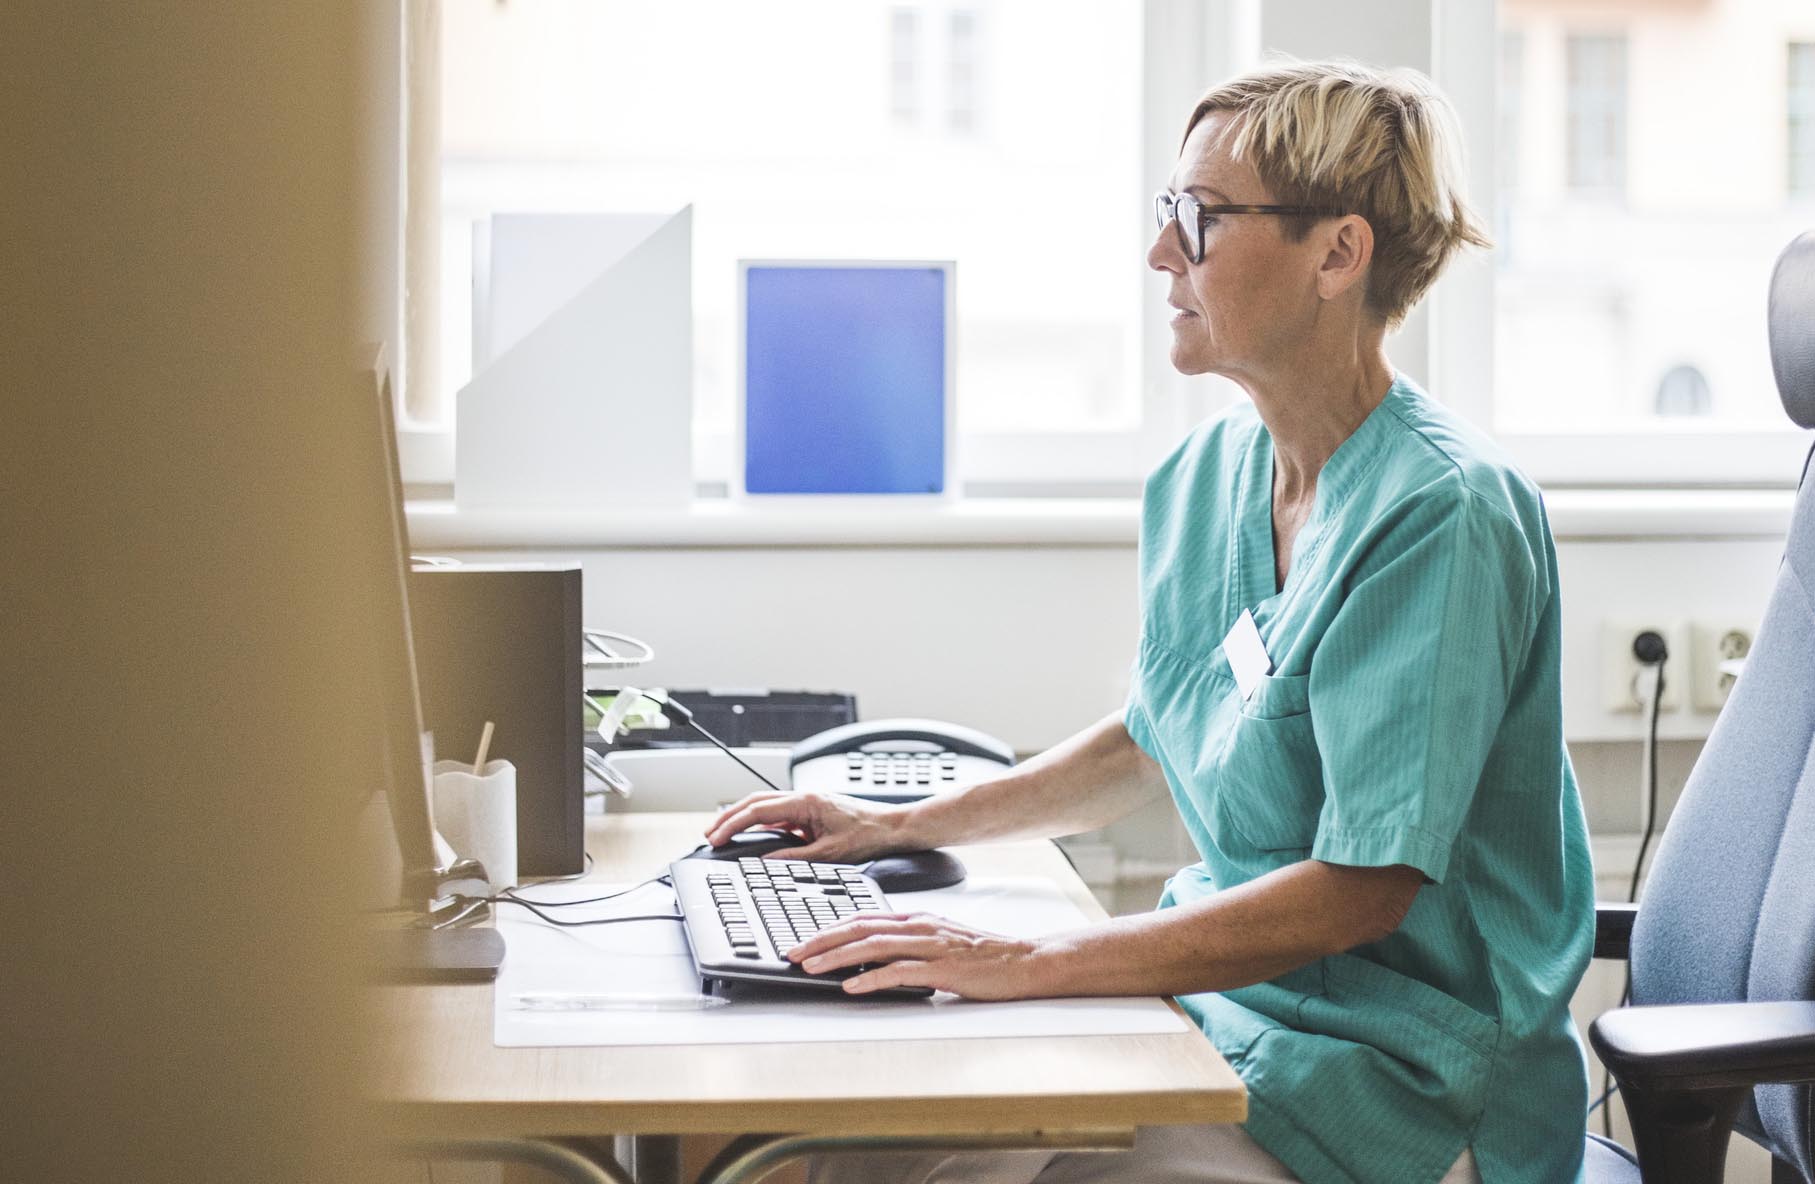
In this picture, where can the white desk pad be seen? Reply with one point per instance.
(650, 958)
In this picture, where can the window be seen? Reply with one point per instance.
(1799, 107)
(961, 71)
(1683, 391)
(1637, 224)
(1597, 115)
(984, 132)
(904, 66)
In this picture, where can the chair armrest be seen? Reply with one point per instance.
(1707, 1046)
(1613, 928)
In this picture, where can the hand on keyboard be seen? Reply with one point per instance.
(743, 916)
(921, 950)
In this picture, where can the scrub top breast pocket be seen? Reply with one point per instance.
(1270, 778)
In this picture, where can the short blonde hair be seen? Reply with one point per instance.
(1381, 143)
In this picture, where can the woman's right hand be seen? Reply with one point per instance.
(832, 827)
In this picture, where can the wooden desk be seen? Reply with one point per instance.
(439, 1076)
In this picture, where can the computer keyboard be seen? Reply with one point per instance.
(743, 916)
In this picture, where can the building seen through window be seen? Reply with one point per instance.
(1644, 192)
(1596, 110)
(904, 66)
(1683, 391)
(986, 132)
(1800, 95)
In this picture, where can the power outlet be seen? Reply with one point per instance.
(1622, 689)
(1720, 648)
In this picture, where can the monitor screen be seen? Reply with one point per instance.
(846, 378)
(400, 723)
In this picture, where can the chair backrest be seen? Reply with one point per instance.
(1729, 909)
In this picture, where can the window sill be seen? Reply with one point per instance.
(1579, 514)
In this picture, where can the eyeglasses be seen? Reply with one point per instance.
(1193, 215)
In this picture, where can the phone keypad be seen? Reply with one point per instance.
(901, 768)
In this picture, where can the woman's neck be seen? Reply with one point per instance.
(1310, 414)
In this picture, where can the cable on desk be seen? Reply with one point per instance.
(511, 893)
(509, 896)
(578, 924)
(391, 909)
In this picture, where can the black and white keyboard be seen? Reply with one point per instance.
(743, 916)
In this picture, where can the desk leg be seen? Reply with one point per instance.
(752, 1157)
(573, 1160)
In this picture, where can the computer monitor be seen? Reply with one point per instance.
(438, 890)
(404, 772)
(846, 374)
(430, 872)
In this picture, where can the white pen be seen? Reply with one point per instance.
(563, 1001)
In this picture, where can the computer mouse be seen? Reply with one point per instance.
(756, 843)
(904, 871)
(914, 871)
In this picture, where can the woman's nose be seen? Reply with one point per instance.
(1164, 254)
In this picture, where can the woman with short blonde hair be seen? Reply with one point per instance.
(1379, 144)
(1348, 682)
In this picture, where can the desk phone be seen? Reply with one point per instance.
(896, 760)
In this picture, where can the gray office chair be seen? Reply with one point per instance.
(1721, 1035)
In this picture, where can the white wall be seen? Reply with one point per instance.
(1033, 642)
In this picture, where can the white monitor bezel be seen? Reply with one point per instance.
(948, 491)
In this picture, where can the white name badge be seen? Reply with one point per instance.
(1246, 654)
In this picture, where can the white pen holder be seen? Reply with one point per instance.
(477, 815)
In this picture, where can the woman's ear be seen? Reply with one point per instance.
(1348, 249)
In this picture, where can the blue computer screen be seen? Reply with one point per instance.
(844, 380)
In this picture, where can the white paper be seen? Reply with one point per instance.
(651, 958)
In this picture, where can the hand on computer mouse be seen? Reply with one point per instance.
(833, 828)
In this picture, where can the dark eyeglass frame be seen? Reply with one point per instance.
(1168, 207)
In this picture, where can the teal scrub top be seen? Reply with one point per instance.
(1413, 716)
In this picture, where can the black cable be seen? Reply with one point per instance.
(1638, 865)
(687, 718)
(569, 878)
(1649, 649)
(577, 924)
(561, 904)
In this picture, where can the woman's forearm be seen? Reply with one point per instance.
(1244, 935)
(1090, 780)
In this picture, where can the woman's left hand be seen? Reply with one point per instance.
(922, 950)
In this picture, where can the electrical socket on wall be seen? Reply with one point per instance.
(1719, 646)
(1621, 687)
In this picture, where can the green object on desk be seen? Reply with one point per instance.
(647, 714)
